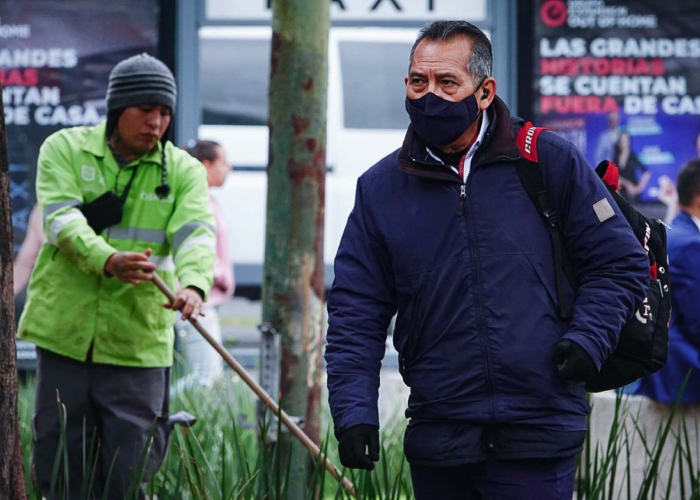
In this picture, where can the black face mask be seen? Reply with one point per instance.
(440, 122)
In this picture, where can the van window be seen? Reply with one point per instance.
(234, 77)
(373, 88)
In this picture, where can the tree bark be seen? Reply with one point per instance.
(12, 485)
(293, 285)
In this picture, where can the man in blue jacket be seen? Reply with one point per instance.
(443, 232)
(684, 334)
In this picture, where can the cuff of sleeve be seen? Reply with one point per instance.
(99, 255)
(196, 281)
(590, 346)
(356, 416)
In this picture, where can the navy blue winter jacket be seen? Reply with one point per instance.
(469, 269)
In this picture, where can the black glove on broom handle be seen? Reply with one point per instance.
(264, 396)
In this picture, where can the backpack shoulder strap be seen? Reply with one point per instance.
(609, 173)
(526, 140)
(530, 174)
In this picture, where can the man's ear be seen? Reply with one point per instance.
(486, 93)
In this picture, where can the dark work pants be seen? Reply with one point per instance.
(536, 478)
(120, 406)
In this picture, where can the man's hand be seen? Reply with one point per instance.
(573, 362)
(131, 267)
(189, 301)
(353, 445)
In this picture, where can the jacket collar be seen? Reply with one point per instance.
(685, 219)
(96, 144)
(499, 143)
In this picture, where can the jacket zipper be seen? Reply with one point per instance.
(475, 266)
(462, 210)
(462, 196)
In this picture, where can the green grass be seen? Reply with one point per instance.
(222, 456)
(605, 469)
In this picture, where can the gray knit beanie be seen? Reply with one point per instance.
(138, 80)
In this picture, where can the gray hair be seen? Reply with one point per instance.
(480, 62)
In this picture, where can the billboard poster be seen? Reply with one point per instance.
(55, 59)
(621, 80)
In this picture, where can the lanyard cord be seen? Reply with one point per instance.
(125, 193)
(122, 163)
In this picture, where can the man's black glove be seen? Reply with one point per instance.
(573, 362)
(353, 444)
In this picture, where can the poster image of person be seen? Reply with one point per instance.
(605, 147)
(634, 176)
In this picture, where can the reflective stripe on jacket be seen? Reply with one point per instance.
(71, 305)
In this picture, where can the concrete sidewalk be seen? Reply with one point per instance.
(240, 318)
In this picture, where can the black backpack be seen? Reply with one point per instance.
(643, 344)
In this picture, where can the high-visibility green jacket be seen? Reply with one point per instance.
(71, 304)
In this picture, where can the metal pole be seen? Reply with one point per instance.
(293, 283)
(264, 396)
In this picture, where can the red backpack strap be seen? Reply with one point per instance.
(527, 141)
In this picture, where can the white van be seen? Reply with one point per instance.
(366, 121)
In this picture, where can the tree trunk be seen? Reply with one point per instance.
(11, 463)
(293, 285)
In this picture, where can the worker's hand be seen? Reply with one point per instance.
(353, 446)
(573, 362)
(131, 267)
(189, 301)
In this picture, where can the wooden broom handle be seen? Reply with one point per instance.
(264, 396)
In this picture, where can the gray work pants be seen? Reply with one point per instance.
(120, 406)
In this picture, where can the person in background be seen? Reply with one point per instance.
(668, 193)
(28, 252)
(21, 271)
(634, 176)
(605, 148)
(204, 362)
(684, 334)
